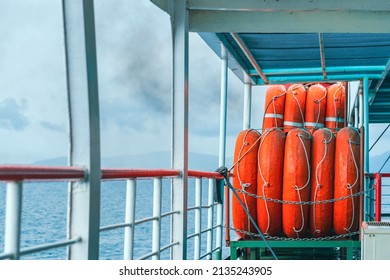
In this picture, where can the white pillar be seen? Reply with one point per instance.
(179, 22)
(131, 194)
(83, 104)
(13, 219)
(246, 124)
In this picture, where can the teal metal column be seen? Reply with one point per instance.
(84, 130)
(366, 125)
(179, 22)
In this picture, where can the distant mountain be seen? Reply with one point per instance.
(150, 160)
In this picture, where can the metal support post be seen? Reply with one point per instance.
(365, 123)
(83, 106)
(356, 109)
(247, 102)
(361, 105)
(13, 217)
(210, 218)
(179, 22)
(131, 194)
(222, 137)
(198, 218)
(156, 213)
(223, 106)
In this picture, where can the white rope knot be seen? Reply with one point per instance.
(266, 184)
(245, 185)
(349, 186)
(296, 188)
(319, 186)
(317, 101)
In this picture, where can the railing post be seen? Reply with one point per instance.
(13, 215)
(378, 197)
(222, 138)
(131, 192)
(365, 123)
(210, 218)
(198, 218)
(84, 131)
(246, 124)
(156, 213)
(180, 26)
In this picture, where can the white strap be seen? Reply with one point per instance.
(315, 125)
(296, 124)
(332, 119)
(278, 116)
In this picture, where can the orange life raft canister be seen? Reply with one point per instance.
(334, 118)
(274, 106)
(245, 178)
(315, 107)
(346, 181)
(296, 182)
(270, 181)
(294, 109)
(322, 170)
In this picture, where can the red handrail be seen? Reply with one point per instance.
(21, 172)
(115, 173)
(205, 174)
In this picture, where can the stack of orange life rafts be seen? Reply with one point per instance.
(303, 154)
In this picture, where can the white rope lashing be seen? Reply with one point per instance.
(337, 112)
(265, 183)
(298, 189)
(318, 185)
(273, 103)
(242, 184)
(299, 105)
(318, 101)
(349, 186)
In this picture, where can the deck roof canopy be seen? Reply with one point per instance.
(281, 41)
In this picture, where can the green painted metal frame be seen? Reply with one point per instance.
(350, 245)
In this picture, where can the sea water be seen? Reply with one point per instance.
(44, 218)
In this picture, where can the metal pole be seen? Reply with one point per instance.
(131, 194)
(156, 213)
(180, 25)
(356, 123)
(365, 123)
(13, 216)
(223, 106)
(198, 218)
(210, 218)
(360, 105)
(222, 136)
(378, 197)
(84, 131)
(247, 102)
(366, 126)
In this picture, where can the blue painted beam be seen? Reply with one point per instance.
(351, 77)
(337, 69)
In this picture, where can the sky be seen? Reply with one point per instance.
(134, 72)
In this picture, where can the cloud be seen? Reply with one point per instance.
(12, 114)
(52, 126)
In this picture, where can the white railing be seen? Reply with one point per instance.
(16, 175)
